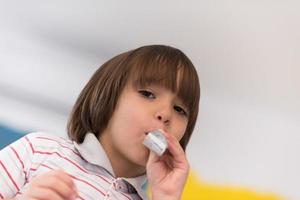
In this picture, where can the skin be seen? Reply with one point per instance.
(55, 185)
(167, 174)
(139, 110)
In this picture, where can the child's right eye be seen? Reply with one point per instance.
(147, 94)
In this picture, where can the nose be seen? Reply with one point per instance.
(164, 116)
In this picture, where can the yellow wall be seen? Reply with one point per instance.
(196, 190)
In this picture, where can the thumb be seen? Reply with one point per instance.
(153, 158)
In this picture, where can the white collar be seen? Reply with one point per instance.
(92, 151)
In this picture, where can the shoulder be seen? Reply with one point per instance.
(47, 140)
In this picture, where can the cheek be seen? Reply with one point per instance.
(180, 135)
(180, 129)
(130, 117)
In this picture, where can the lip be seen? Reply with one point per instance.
(157, 129)
(153, 129)
(146, 133)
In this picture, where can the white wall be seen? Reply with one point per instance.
(246, 52)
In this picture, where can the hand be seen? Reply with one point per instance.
(54, 185)
(167, 174)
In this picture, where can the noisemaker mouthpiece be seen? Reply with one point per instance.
(156, 142)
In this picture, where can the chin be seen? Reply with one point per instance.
(142, 158)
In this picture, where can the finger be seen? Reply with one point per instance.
(62, 188)
(59, 182)
(152, 159)
(43, 193)
(176, 151)
(66, 178)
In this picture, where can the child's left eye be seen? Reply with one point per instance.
(180, 110)
(147, 94)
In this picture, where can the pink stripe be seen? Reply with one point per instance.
(32, 169)
(20, 162)
(78, 180)
(46, 166)
(45, 138)
(9, 175)
(1, 196)
(88, 184)
(48, 153)
(70, 161)
(30, 145)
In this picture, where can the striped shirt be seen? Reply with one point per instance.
(86, 163)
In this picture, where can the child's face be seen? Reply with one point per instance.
(138, 111)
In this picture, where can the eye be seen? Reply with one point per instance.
(147, 94)
(180, 110)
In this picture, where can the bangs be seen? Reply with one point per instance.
(170, 69)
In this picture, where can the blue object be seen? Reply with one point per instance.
(9, 135)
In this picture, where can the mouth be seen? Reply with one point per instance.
(156, 142)
(144, 137)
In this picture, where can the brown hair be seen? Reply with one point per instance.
(154, 64)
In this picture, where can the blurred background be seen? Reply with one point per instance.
(246, 53)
